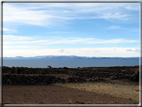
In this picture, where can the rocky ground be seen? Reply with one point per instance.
(53, 85)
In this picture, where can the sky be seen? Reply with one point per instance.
(80, 29)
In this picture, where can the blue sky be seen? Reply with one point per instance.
(82, 29)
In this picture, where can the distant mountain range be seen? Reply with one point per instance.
(68, 57)
(69, 61)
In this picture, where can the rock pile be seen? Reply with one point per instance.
(22, 79)
(75, 80)
(17, 75)
(96, 79)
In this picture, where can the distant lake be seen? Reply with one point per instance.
(70, 63)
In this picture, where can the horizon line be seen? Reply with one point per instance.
(71, 56)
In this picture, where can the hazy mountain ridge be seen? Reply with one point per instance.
(68, 57)
(69, 61)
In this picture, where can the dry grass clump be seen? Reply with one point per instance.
(70, 102)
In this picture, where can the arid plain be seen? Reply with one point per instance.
(92, 85)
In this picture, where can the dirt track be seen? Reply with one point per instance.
(50, 94)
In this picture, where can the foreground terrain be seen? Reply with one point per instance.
(52, 94)
(92, 85)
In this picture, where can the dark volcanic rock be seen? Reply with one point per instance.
(17, 75)
(50, 79)
(9, 81)
(75, 80)
(21, 79)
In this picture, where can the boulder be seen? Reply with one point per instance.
(9, 81)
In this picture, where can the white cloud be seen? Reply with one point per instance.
(31, 46)
(60, 32)
(21, 40)
(7, 30)
(113, 41)
(59, 13)
(119, 16)
(25, 16)
(135, 30)
(132, 7)
(133, 50)
(90, 52)
(113, 27)
(61, 50)
(10, 38)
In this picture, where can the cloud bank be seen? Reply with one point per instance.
(90, 52)
(11, 39)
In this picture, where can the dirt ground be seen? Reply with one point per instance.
(119, 88)
(55, 94)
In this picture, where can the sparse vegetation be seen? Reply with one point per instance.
(49, 66)
(70, 102)
(65, 67)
